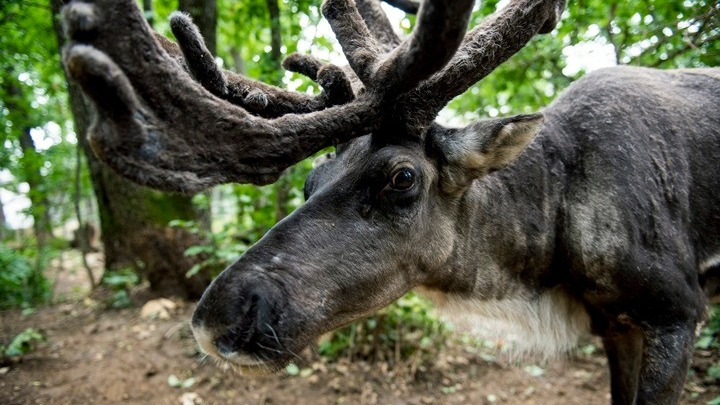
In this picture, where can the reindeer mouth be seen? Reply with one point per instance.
(261, 369)
(245, 365)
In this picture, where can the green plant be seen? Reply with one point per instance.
(256, 210)
(177, 382)
(709, 339)
(710, 335)
(23, 343)
(222, 247)
(120, 281)
(22, 283)
(405, 329)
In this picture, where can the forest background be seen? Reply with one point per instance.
(57, 199)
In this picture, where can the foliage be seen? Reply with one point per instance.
(33, 98)
(710, 335)
(709, 339)
(405, 329)
(176, 382)
(646, 33)
(238, 225)
(23, 343)
(22, 283)
(120, 282)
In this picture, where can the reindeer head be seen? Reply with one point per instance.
(379, 218)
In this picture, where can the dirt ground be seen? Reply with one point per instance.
(93, 355)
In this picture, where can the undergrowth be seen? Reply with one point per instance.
(22, 282)
(404, 330)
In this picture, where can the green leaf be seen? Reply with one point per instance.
(197, 249)
(195, 269)
(715, 401)
(292, 369)
(704, 342)
(534, 371)
(174, 381)
(24, 342)
(188, 383)
(714, 371)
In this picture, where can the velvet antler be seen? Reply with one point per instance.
(484, 48)
(441, 25)
(159, 127)
(258, 98)
(166, 128)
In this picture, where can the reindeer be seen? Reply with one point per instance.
(601, 214)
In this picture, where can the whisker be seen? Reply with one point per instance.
(275, 336)
(270, 349)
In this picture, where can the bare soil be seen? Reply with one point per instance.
(95, 355)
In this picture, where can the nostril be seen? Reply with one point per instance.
(224, 346)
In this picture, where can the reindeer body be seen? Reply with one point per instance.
(624, 174)
(609, 222)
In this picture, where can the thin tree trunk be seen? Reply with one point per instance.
(148, 10)
(275, 38)
(30, 162)
(238, 62)
(283, 185)
(83, 233)
(2, 222)
(40, 208)
(282, 195)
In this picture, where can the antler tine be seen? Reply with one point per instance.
(485, 47)
(259, 98)
(333, 80)
(159, 127)
(440, 28)
(200, 62)
(378, 23)
(408, 6)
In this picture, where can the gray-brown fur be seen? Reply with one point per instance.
(336, 85)
(609, 220)
(440, 29)
(199, 61)
(408, 6)
(138, 91)
(484, 48)
(158, 126)
(378, 23)
(256, 97)
(612, 207)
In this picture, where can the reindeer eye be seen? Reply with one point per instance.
(402, 179)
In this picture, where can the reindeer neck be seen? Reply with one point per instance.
(506, 238)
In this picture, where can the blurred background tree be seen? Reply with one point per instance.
(50, 181)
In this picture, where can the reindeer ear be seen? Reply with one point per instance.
(484, 147)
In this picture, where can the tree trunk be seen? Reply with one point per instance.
(134, 220)
(148, 12)
(40, 209)
(2, 222)
(204, 14)
(283, 185)
(275, 38)
(238, 62)
(30, 161)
